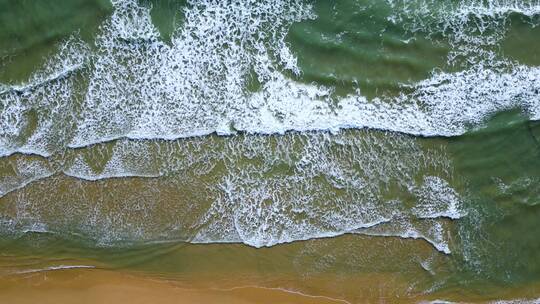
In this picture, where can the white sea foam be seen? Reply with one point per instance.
(137, 86)
(54, 268)
(38, 117)
(474, 28)
(447, 104)
(247, 189)
(517, 301)
(23, 172)
(129, 160)
(436, 198)
(264, 211)
(431, 231)
(192, 87)
(140, 87)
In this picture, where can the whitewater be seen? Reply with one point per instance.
(229, 74)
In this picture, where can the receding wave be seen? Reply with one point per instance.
(256, 190)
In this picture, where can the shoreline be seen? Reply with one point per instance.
(78, 284)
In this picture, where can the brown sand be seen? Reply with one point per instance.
(94, 285)
(105, 286)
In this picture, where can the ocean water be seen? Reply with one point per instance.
(309, 141)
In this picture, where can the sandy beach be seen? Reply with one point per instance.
(94, 285)
(85, 285)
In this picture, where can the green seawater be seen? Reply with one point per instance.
(300, 204)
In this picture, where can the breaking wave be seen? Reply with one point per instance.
(228, 69)
(255, 190)
(132, 84)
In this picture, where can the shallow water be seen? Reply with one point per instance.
(356, 150)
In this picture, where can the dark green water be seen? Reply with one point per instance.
(293, 139)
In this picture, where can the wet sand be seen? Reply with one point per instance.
(232, 273)
(86, 285)
(94, 285)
